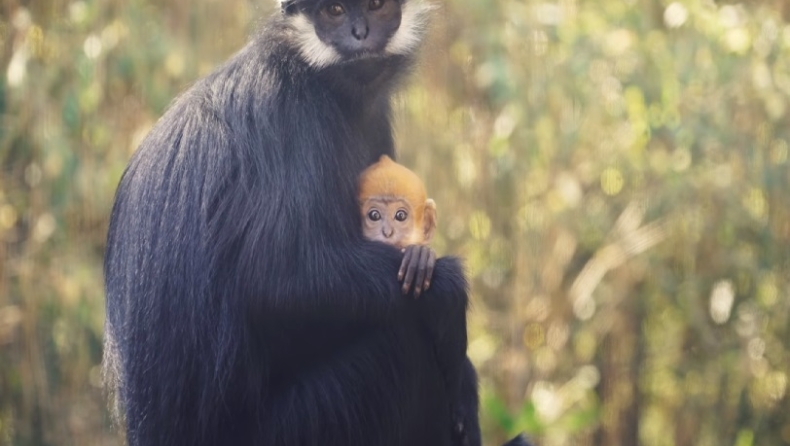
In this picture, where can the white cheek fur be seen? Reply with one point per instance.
(315, 52)
(413, 25)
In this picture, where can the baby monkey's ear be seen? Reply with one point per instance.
(428, 220)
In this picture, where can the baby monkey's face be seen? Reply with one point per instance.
(391, 220)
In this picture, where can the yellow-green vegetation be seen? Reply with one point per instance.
(615, 173)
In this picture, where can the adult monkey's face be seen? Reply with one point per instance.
(356, 28)
(329, 32)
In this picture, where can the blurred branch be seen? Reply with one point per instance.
(631, 238)
(10, 318)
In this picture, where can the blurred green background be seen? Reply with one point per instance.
(615, 173)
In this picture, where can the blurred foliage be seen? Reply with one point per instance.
(614, 172)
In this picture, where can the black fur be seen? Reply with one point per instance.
(243, 305)
(518, 440)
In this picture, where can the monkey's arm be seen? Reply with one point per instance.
(419, 260)
(358, 284)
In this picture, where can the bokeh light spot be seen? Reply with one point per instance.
(92, 46)
(534, 336)
(612, 181)
(8, 216)
(45, 227)
(756, 203)
(779, 151)
(721, 300)
(675, 15)
(480, 225)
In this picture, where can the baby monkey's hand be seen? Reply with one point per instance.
(417, 268)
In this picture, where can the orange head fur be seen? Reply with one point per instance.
(382, 185)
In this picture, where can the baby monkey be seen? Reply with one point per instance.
(396, 211)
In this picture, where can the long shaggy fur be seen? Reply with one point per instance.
(243, 305)
(414, 25)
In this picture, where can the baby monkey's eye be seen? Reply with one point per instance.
(375, 4)
(401, 215)
(374, 215)
(335, 9)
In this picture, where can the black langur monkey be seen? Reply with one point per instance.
(244, 307)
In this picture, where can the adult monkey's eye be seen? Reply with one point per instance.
(335, 9)
(401, 215)
(374, 215)
(375, 4)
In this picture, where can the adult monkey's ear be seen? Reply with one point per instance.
(288, 7)
(428, 220)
